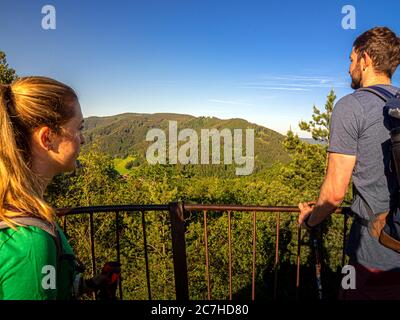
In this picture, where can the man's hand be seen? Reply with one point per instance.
(306, 208)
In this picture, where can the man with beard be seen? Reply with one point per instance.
(359, 148)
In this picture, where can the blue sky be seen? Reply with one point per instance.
(265, 61)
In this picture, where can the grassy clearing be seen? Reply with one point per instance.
(120, 164)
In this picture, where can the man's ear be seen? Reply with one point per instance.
(45, 138)
(366, 61)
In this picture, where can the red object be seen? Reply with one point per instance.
(113, 271)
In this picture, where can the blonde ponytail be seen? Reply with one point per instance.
(25, 105)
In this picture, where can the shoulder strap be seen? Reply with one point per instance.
(365, 203)
(44, 225)
(384, 94)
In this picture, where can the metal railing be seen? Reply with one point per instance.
(178, 212)
(130, 209)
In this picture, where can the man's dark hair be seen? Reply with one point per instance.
(383, 46)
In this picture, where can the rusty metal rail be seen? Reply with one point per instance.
(178, 212)
(130, 209)
(255, 209)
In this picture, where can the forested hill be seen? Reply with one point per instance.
(125, 134)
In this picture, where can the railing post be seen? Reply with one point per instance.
(176, 212)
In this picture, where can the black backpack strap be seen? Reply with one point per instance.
(384, 94)
(44, 225)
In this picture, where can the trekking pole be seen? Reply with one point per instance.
(314, 238)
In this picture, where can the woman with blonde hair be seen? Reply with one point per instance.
(41, 126)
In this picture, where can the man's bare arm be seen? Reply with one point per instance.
(333, 189)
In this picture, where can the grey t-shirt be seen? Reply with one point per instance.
(359, 127)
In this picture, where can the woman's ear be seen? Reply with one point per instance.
(45, 138)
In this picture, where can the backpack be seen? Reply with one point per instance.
(385, 226)
(50, 228)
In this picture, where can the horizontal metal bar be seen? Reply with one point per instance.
(216, 207)
(188, 207)
(78, 210)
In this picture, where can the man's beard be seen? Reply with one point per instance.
(356, 78)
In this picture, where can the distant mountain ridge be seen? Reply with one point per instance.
(312, 141)
(125, 134)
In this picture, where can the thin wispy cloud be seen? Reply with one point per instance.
(293, 83)
(300, 85)
(229, 102)
(268, 97)
(275, 88)
(296, 78)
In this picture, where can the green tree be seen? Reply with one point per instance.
(308, 165)
(319, 125)
(7, 74)
(306, 170)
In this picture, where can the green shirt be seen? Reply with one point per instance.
(25, 255)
